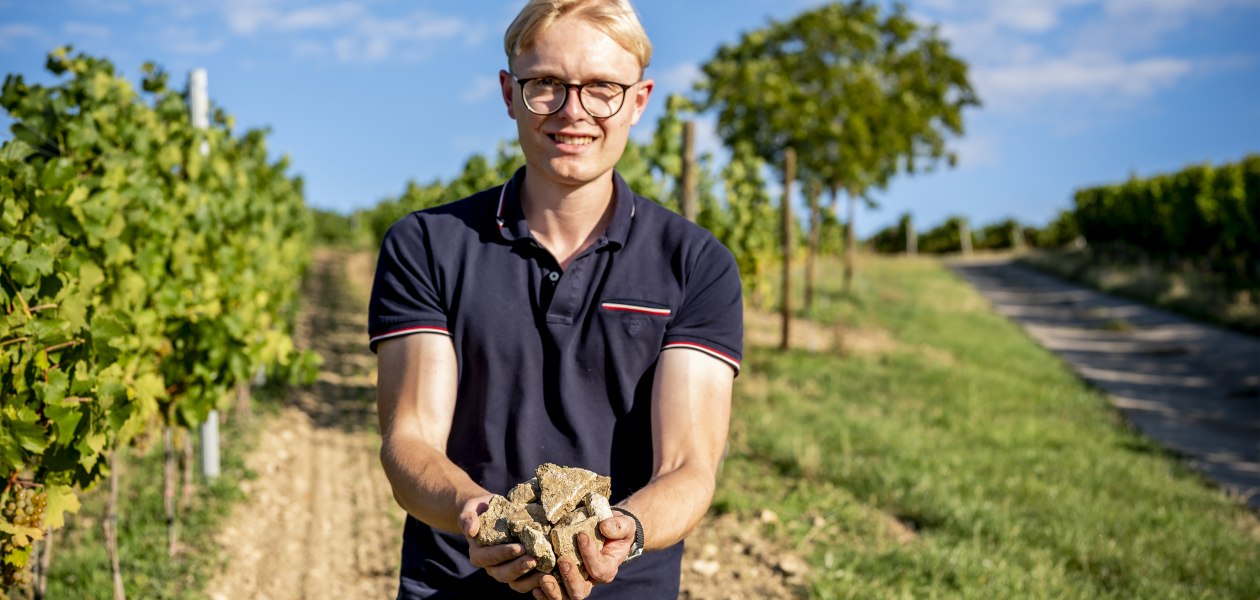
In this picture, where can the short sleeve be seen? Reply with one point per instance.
(711, 316)
(405, 298)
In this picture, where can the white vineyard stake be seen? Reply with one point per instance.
(199, 104)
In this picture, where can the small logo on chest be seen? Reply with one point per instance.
(633, 324)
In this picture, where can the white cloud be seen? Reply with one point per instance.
(1098, 55)
(309, 49)
(247, 16)
(348, 31)
(707, 139)
(407, 39)
(12, 32)
(1180, 7)
(679, 78)
(185, 40)
(1140, 25)
(480, 89)
(1025, 16)
(1018, 87)
(322, 17)
(101, 6)
(977, 150)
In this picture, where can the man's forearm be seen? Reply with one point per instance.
(671, 505)
(426, 483)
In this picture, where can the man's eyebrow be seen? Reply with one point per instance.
(552, 75)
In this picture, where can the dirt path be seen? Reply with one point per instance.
(1193, 387)
(320, 520)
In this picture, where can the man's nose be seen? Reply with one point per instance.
(573, 103)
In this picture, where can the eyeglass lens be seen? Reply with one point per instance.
(600, 99)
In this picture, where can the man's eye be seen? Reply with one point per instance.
(547, 82)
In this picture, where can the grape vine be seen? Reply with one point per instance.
(141, 277)
(1203, 213)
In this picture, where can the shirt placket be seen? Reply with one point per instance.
(572, 286)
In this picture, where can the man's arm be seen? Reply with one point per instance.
(415, 396)
(691, 407)
(691, 411)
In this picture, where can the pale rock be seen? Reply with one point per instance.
(530, 514)
(574, 516)
(707, 568)
(525, 492)
(538, 546)
(494, 527)
(564, 538)
(597, 506)
(562, 489)
(792, 565)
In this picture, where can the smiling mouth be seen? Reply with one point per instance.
(573, 140)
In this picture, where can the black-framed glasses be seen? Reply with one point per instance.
(547, 95)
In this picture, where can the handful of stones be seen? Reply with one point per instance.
(546, 513)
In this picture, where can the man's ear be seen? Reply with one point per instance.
(507, 85)
(642, 93)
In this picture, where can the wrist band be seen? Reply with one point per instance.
(636, 549)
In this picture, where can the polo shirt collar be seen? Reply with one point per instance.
(510, 218)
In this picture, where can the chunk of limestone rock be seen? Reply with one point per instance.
(493, 524)
(564, 539)
(562, 489)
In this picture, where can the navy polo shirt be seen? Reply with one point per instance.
(554, 366)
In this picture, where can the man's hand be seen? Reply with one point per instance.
(601, 566)
(507, 563)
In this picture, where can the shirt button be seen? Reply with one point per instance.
(554, 276)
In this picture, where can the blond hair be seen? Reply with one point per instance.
(616, 18)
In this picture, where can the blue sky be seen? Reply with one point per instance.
(366, 94)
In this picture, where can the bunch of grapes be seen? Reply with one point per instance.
(25, 508)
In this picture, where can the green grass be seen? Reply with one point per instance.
(964, 461)
(80, 566)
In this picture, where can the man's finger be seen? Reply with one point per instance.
(531, 581)
(489, 556)
(617, 528)
(575, 584)
(600, 568)
(551, 588)
(469, 523)
(510, 572)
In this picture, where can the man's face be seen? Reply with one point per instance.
(570, 148)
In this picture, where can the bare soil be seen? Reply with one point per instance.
(320, 520)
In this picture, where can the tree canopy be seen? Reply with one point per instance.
(861, 95)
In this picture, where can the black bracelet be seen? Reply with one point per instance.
(636, 549)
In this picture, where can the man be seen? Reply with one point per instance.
(557, 318)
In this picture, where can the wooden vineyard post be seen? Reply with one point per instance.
(912, 237)
(815, 237)
(169, 476)
(45, 562)
(789, 174)
(850, 240)
(964, 235)
(687, 202)
(110, 523)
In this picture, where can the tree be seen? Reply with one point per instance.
(752, 232)
(861, 96)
